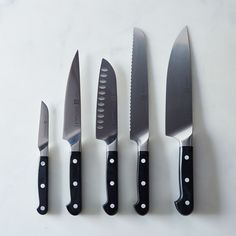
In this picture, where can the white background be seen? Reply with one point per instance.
(38, 40)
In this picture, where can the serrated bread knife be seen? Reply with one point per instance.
(43, 163)
(106, 130)
(72, 133)
(139, 118)
(179, 122)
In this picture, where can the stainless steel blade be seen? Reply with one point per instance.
(179, 90)
(43, 128)
(72, 110)
(139, 118)
(106, 119)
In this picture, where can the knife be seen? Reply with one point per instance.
(139, 118)
(43, 163)
(72, 133)
(106, 130)
(179, 122)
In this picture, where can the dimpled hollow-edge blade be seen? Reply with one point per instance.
(139, 125)
(106, 119)
(179, 87)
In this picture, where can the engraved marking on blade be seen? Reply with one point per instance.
(77, 112)
(45, 128)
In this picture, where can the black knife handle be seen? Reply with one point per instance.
(75, 205)
(142, 205)
(111, 206)
(43, 185)
(185, 202)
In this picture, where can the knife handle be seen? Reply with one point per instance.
(142, 205)
(185, 202)
(75, 205)
(111, 206)
(43, 185)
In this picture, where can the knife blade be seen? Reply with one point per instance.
(43, 163)
(179, 116)
(106, 130)
(139, 118)
(72, 133)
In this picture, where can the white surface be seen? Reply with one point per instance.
(38, 40)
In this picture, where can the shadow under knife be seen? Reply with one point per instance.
(161, 202)
(55, 169)
(206, 182)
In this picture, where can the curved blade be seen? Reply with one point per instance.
(139, 128)
(43, 127)
(72, 110)
(179, 87)
(106, 121)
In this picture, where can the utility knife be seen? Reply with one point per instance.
(106, 130)
(179, 122)
(72, 133)
(43, 163)
(139, 118)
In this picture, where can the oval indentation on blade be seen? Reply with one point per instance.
(99, 127)
(100, 121)
(103, 81)
(101, 92)
(104, 69)
(103, 75)
(102, 86)
(100, 116)
(101, 98)
(101, 104)
(100, 110)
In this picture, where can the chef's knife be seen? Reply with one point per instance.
(106, 130)
(72, 133)
(179, 116)
(43, 163)
(139, 118)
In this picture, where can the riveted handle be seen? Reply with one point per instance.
(185, 203)
(75, 205)
(142, 205)
(43, 185)
(111, 206)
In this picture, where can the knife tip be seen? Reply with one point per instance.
(138, 31)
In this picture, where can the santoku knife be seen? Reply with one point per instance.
(43, 163)
(106, 130)
(179, 116)
(139, 118)
(72, 133)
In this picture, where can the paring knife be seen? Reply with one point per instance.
(179, 116)
(139, 118)
(43, 163)
(72, 133)
(106, 130)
